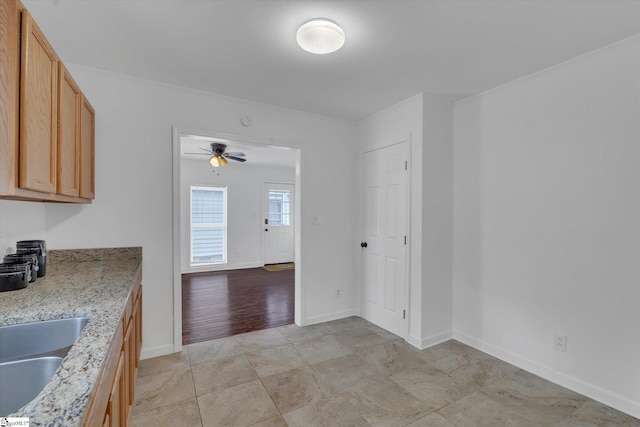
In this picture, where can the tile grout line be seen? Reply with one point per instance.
(262, 382)
(195, 390)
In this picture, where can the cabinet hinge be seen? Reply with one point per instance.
(405, 240)
(404, 314)
(406, 165)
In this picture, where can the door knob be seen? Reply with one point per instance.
(363, 244)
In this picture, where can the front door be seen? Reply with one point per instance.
(384, 245)
(278, 222)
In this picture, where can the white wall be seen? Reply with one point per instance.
(20, 221)
(133, 205)
(426, 121)
(546, 223)
(244, 208)
(437, 219)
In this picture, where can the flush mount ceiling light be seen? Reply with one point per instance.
(320, 36)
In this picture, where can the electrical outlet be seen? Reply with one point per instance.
(560, 342)
(338, 293)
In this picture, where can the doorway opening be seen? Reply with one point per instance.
(225, 213)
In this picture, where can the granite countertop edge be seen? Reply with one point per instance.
(93, 283)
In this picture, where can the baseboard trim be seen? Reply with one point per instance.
(328, 317)
(221, 267)
(161, 350)
(512, 358)
(594, 392)
(607, 397)
(430, 341)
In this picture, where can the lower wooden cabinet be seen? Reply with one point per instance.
(113, 401)
(134, 343)
(114, 416)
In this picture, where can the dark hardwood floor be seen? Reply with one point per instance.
(224, 303)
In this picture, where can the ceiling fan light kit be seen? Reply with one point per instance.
(320, 36)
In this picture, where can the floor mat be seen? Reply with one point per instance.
(279, 267)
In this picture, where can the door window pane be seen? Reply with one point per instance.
(279, 208)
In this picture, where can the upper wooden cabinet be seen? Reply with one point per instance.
(87, 148)
(46, 123)
(10, 18)
(38, 110)
(69, 104)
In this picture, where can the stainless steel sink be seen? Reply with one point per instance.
(30, 353)
(28, 339)
(22, 380)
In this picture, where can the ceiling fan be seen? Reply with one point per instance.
(219, 155)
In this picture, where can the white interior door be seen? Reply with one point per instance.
(278, 224)
(384, 248)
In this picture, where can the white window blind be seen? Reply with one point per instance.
(208, 225)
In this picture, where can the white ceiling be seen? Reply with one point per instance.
(394, 48)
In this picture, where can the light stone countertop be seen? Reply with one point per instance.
(93, 283)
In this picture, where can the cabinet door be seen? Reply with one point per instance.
(138, 318)
(69, 100)
(9, 95)
(114, 411)
(87, 148)
(38, 109)
(133, 351)
(128, 374)
(124, 393)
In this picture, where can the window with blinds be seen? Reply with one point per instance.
(208, 225)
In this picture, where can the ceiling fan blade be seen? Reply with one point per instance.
(235, 154)
(200, 154)
(238, 159)
(206, 149)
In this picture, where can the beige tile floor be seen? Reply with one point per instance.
(350, 373)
